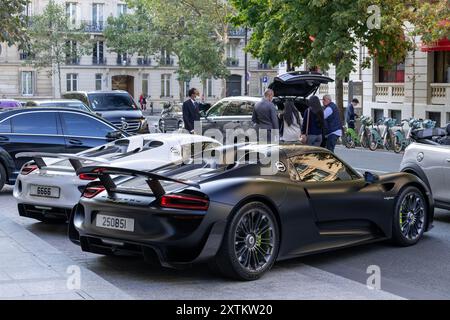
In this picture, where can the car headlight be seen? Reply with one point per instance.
(144, 123)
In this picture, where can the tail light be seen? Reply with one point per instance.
(85, 176)
(188, 202)
(90, 192)
(28, 168)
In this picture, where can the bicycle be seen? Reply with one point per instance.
(351, 139)
(364, 131)
(388, 135)
(375, 138)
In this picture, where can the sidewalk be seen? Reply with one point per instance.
(30, 268)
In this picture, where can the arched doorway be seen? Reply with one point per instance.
(234, 85)
(123, 82)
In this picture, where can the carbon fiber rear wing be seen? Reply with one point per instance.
(153, 180)
(75, 160)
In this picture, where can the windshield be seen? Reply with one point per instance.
(70, 105)
(112, 101)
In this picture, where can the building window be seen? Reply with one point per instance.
(97, 53)
(97, 16)
(397, 115)
(145, 84)
(165, 85)
(185, 88)
(71, 12)
(166, 59)
(98, 81)
(72, 81)
(209, 88)
(121, 9)
(27, 10)
(27, 82)
(393, 73)
(442, 67)
(123, 59)
(435, 116)
(378, 114)
(71, 53)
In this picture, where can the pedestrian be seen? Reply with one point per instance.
(191, 111)
(143, 101)
(313, 123)
(290, 123)
(265, 117)
(350, 113)
(333, 122)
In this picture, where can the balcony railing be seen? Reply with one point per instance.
(98, 60)
(144, 61)
(232, 62)
(73, 61)
(264, 66)
(323, 89)
(236, 32)
(94, 27)
(166, 62)
(440, 93)
(390, 92)
(123, 61)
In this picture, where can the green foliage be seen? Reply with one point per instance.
(189, 29)
(49, 34)
(432, 20)
(12, 22)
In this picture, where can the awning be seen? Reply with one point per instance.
(440, 45)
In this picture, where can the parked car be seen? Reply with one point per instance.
(9, 104)
(59, 103)
(171, 117)
(430, 161)
(48, 188)
(242, 219)
(116, 106)
(48, 130)
(236, 112)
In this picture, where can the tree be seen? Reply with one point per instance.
(324, 32)
(177, 27)
(13, 23)
(54, 41)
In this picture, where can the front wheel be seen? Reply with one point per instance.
(373, 142)
(349, 141)
(250, 245)
(398, 146)
(410, 217)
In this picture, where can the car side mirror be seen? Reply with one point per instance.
(113, 135)
(370, 178)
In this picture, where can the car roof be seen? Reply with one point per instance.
(241, 98)
(8, 113)
(98, 91)
(57, 101)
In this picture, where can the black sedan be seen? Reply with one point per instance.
(241, 210)
(48, 129)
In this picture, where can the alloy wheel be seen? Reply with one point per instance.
(412, 216)
(254, 240)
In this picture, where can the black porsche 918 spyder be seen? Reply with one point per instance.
(241, 219)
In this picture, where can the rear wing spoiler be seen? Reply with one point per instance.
(75, 160)
(103, 173)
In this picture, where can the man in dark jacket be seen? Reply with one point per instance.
(265, 115)
(350, 115)
(191, 111)
(333, 122)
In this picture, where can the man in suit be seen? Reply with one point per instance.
(265, 115)
(191, 111)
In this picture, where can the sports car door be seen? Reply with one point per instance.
(339, 197)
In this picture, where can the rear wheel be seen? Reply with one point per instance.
(410, 217)
(373, 142)
(349, 141)
(2, 176)
(250, 244)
